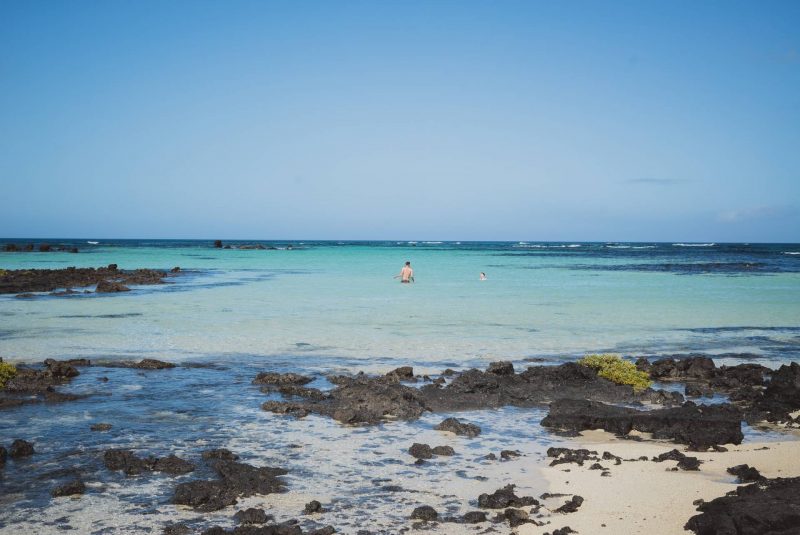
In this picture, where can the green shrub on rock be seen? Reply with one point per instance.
(617, 370)
(7, 371)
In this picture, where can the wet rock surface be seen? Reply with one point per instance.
(359, 400)
(130, 464)
(252, 516)
(20, 448)
(457, 427)
(424, 512)
(699, 426)
(236, 480)
(72, 488)
(272, 378)
(771, 507)
(745, 473)
(47, 280)
(499, 386)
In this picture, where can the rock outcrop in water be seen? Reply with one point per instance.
(235, 480)
(362, 399)
(130, 464)
(769, 507)
(499, 386)
(699, 426)
(358, 400)
(20, 281)
(34, 385)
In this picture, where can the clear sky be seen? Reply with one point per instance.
(468, 120)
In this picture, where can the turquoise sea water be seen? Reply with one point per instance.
(326, 307)
(327, 300)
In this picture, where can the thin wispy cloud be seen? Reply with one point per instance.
(657, 181)
(755, 213)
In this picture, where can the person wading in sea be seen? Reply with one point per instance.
(406, 274)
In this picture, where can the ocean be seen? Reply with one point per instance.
(322, 307)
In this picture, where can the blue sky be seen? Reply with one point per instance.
(401, 120)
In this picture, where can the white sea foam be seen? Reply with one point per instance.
(93, 242)
(693, 244)
(791, 252)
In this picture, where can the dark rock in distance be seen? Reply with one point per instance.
(454, 426)
(153, 364)
(20, 448)
(501, 368)
(69, 489)
(424, 512)
(104, 287)
(3, 456)
(272, 378)
(221, 453)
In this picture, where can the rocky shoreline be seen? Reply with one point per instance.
(576, 398)
(60, 282)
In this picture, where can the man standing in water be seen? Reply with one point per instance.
(406, 274)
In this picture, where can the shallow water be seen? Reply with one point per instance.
(326, 308)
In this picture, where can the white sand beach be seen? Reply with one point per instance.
(646, 497)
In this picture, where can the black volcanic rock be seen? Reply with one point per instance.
(235, 479)
(69, 489)
(699, 426)
(130, 464)
(272, 378)
(504, 497)
(425, 512)
(20, 448)
(769, 507)
(745, 473)
(459, 428)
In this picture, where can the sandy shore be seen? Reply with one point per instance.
(646, 497)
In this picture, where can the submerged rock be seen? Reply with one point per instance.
(771, 506)
(100, 427)
(20, 448)
(69, 489)
(3, 456)
(700, 426)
